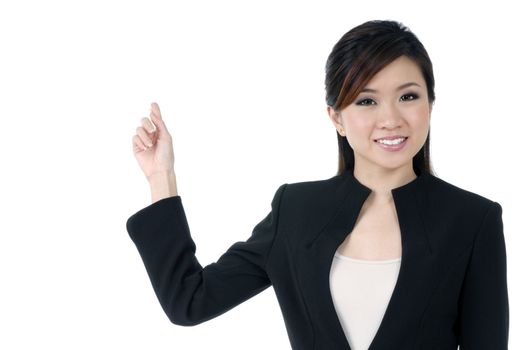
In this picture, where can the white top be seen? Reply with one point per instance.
(361, 291)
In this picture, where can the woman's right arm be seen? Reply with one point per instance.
(188, 292)
(153, 150)
(163, 185)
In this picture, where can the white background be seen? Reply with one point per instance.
(241, 89)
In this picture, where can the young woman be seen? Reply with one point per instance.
(384, 255)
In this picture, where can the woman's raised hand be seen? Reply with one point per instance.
(152, 145)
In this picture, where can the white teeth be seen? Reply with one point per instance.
(392, 142)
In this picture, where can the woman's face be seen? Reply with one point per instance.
(393, 103)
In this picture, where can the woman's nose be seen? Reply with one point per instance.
(389, 116)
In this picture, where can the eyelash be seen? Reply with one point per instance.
(414, 97)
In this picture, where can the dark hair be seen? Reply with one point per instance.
(356, 58)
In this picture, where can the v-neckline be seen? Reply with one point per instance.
(395, 289)
(353, 231)
(319, 252)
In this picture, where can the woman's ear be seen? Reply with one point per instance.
(335, 117)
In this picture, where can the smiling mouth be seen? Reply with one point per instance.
(392, 141)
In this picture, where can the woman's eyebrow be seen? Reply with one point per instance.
(405, 85)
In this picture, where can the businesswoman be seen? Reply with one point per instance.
(383, 255)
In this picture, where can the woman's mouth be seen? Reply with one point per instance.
(393, 144)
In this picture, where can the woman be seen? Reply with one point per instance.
(384, 255)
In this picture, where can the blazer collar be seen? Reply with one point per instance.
(316, 256)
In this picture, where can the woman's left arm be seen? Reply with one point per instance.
(484, 303)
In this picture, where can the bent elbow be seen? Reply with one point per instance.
(182, 320)
(181, 316)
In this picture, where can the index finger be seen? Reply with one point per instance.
(155, 109)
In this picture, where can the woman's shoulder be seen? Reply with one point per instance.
(453, 191)
(314, 196)
(444, 196)
(316, 188)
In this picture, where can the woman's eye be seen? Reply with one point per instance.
(405, 97)
(411, 97)
(361, 102)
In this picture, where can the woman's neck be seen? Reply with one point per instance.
(382, 181)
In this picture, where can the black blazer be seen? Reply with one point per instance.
(451, 288)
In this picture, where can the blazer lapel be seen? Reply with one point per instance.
(413, 282)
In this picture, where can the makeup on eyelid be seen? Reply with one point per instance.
(414, 97)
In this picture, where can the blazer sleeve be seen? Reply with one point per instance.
(484, 304)
(189, 293)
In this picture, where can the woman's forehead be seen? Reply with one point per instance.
(401, 73)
